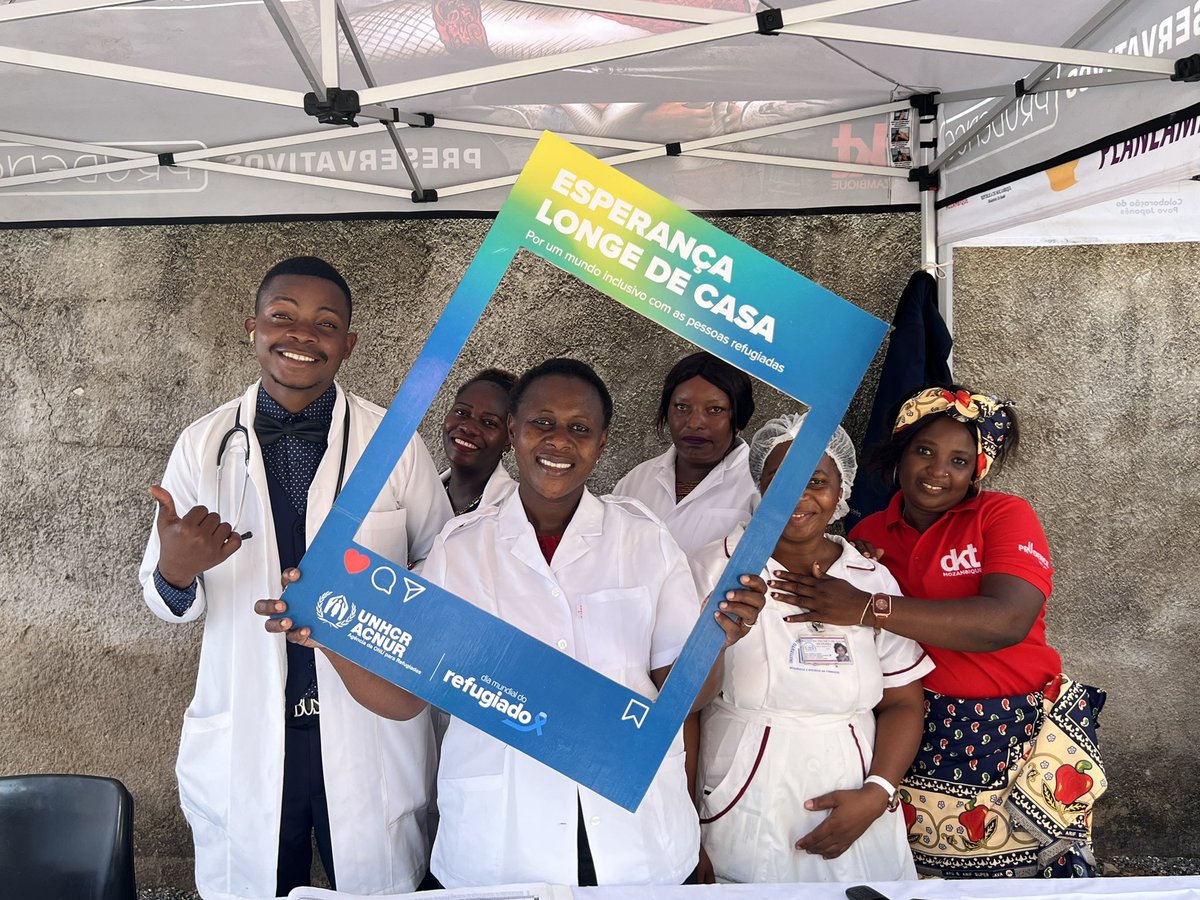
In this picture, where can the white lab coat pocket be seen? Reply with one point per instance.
(617, 625)
(724, 763)
(384, 531)
(462, 850)
(203, 770)
(471, 789)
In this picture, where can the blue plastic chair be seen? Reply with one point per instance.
(66, 837)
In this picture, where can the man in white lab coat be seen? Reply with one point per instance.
(273, 749)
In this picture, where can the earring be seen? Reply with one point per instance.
(251, 335)
(896, 477)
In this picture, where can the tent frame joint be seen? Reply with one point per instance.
(166, 159)
(428, 195)
(925, 179)
(925, 104)
(769, 21)
(338, 107)
(675, 149)
(1187, 68)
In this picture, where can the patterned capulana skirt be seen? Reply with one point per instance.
(1004, 787)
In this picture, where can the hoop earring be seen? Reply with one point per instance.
(252, 336)
(895, 476)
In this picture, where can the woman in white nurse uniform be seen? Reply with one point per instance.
(474, 439)
(815, 724)
(701, 487)
(602, 581)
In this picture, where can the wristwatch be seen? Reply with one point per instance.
(893, 794)
(881, 608)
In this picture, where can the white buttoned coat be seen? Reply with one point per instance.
(725, 497)
(378, 773)
(618, 597)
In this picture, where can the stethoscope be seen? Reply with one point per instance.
(237, 441)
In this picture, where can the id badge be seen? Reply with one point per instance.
(827, 651)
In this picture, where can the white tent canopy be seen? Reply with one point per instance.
(124, 110)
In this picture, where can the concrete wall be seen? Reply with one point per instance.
(114, 339)
(1099, 346)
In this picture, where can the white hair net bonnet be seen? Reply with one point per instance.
(785, 428)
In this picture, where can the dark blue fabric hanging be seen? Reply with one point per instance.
(917, 354)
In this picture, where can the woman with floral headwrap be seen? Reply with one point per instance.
(1009, 765)
(815, 724)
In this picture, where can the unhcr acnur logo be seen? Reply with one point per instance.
(336, 611)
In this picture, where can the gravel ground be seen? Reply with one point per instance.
(1115, 866)
(1150, 865)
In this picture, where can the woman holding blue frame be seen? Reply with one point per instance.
(597, 578)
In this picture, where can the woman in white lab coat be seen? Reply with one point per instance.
(815, 724)
(700, 487)
(378, 774)
(548, 551)
(475, 438)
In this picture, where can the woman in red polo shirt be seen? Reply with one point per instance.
(1009, 767)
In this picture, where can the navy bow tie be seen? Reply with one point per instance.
(270, 430)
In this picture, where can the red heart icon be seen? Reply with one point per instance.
(356, 562)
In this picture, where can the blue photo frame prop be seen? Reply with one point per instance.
(598, 224)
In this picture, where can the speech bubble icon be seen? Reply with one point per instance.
(384, 579)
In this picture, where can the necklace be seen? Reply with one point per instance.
(470, 507)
